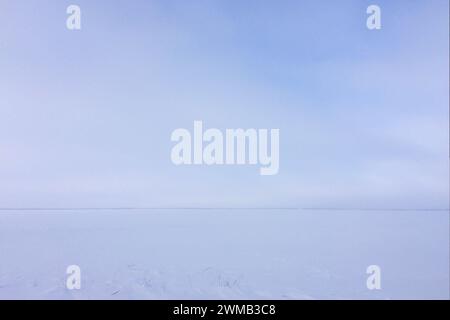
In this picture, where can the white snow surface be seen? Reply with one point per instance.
(224, 254)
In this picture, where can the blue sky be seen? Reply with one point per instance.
(86, 116)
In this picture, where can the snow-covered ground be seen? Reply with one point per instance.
(221, 254)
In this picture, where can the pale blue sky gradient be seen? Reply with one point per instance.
(86, 116)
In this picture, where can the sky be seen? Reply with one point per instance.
(86, 116)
